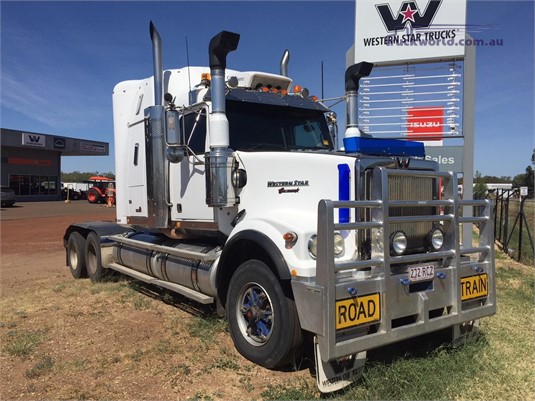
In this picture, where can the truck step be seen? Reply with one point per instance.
(180, 289)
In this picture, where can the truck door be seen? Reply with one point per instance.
(136, 201)
(187, 181)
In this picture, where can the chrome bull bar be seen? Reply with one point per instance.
(405, 312)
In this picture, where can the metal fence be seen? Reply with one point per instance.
(514, 218)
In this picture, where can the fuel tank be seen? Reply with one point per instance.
(169, 260)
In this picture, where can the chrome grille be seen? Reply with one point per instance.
(412, 188)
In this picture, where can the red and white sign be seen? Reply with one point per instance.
(425, 123)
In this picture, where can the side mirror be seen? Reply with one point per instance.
(173, 127)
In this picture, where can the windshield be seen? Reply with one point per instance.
(262, 127)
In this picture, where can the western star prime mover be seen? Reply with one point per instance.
(231, 191)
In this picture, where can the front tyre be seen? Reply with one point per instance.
(262, 318)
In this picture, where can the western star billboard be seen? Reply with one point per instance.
(393, 32)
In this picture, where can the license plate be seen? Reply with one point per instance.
(421, 273)
(474, 287)
(356, 311)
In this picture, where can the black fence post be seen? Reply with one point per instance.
(505, 224)
(521, 216)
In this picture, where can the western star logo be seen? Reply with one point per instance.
(33, 139)
(294, 183)
(410, 26)
(409, 13)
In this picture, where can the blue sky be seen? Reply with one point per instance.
(61, 60)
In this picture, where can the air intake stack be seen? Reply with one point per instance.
(220, 161)
(353, 75)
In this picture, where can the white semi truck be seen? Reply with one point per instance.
(230, 191)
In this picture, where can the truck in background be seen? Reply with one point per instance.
(77, 186)
(233, 194)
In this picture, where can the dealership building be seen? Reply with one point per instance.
(31, 162)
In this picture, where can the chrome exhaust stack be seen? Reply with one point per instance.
(157, 207)
(157, 63)
(353, 75)
(284, 63)
(220, 162)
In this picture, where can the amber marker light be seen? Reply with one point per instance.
(290, 238)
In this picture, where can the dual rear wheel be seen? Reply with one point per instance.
(83, 256)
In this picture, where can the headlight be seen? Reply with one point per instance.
(436, 239)
(398, 242)
(338, 245)
(313, 246)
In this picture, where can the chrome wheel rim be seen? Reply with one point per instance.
(254, 313)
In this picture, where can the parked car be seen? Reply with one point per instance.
(7, 196)
(72, 193)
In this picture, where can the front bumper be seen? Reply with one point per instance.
(357, 305)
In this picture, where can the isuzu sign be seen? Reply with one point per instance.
(425, 123)
(393, 32)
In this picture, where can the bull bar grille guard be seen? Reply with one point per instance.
(456, 262)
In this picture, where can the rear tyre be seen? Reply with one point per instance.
(262, 318)
(76, 255)
(93, 196)
(93, 259)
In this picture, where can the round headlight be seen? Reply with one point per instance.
(313, 246)
(436, 239)
(338, 244)
(398, 242)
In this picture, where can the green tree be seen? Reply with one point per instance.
(480, 188)
(525, 180)
(77, 176)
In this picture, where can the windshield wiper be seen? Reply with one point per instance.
(263, 146)
(301, 147)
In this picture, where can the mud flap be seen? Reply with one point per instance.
(335, 375)
(465, 333)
